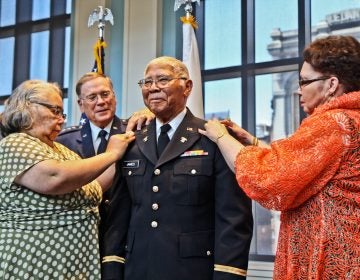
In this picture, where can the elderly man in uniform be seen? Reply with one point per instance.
(188, 219)
(97, 102)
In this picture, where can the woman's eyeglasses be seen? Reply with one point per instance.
(56, 110)
(303, 83)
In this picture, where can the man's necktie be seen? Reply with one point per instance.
(163, 139)
(103, 142)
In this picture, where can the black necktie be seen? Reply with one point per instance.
(163, 139)
(103, 142)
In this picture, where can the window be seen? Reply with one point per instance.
(34, 43)
(250, 51)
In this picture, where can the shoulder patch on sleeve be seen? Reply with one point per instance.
(70, 129)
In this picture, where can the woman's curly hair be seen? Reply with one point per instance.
(336, 56)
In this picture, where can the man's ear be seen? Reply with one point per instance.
(80, 103)
(189, 86)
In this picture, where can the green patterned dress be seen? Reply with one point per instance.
(45, 236)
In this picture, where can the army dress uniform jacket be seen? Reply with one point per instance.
(189, 218)
(79, 139)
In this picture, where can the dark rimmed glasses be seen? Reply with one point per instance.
(303, 83)
(56, 110)
(161, 82)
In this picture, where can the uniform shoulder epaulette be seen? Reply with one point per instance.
(70, 129)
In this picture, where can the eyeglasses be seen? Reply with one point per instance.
(92, 98)
(56, 110)
(303, 83)
(161, 82)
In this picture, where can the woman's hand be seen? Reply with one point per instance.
(118, 143)
(239, 133)
(214, 130)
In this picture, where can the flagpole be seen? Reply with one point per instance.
(102, 15)
(191, 57)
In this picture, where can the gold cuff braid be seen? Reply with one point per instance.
(230, 269)
(113, 259)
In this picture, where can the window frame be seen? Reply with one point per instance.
(249, 69)
(22, 30)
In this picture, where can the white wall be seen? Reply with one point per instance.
(142, 38)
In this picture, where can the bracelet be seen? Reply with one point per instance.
(221, 135)
(255, 141)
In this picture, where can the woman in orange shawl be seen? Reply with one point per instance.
(312, 177)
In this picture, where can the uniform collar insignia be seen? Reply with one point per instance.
(189, 129)
(83, 121)
(183, 139)
(145, 139)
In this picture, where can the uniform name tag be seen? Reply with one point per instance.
(131, 163)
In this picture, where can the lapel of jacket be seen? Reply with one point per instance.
(146, 141)
(87, 144)
(184, 137)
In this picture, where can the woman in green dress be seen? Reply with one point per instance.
(49, 197)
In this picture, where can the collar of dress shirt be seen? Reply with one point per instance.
(95, 131)
(175, 122)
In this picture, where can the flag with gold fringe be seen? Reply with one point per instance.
(191, 58)
(99, 54)
(101, 15)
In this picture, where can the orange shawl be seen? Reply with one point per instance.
(313, 177)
